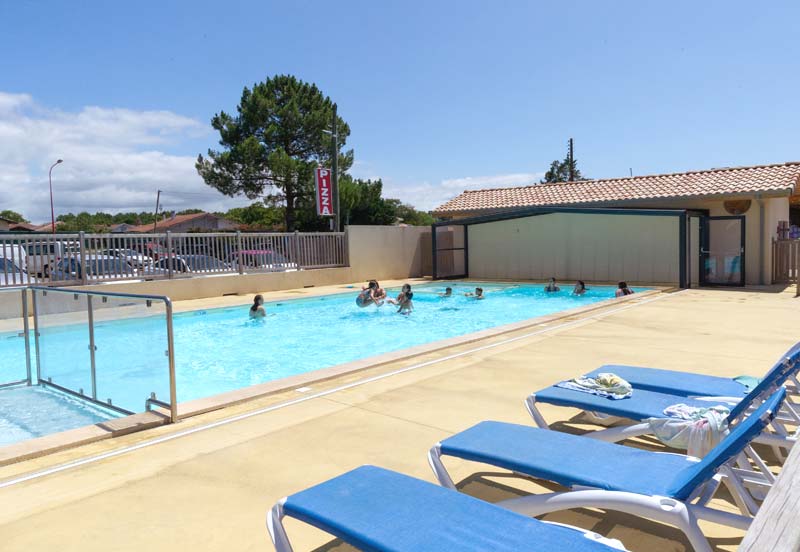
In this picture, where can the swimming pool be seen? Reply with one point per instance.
(218, 350)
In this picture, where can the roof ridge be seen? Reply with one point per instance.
(657, 175)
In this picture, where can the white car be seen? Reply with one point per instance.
(136, 259)
(11, 274)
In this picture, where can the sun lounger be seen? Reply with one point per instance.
(669, 488)
(374, 510)
(647, 403)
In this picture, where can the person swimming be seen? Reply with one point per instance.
(579, 289)
(380, 293)
(477, 295)
(257, 309)
(403, 291)
(367, 296)
(552, 286)
(406, 305)
(448, 292)
(623, 290)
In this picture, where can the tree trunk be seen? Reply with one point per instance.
(289, 213)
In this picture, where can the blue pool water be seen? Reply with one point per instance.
(219, 350)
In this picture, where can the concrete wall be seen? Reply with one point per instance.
(592, 247)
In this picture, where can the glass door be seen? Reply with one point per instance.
(722, 251)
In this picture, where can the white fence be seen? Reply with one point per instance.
(79, 259)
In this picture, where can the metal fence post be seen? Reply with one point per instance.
(170, 259)
(92, 348)
(173, 392)
(239, 252)
(296, 248)
(26, 331)
(36, 337)
(83, 266)
(346, 260)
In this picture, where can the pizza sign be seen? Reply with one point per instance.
(322, 180)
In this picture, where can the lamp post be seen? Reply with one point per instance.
(52, 211)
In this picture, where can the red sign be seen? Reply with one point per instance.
(322, 180)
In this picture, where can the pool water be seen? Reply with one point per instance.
(220, 350)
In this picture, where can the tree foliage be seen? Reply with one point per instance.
(270, 148)
(559, 171)
(13, 216)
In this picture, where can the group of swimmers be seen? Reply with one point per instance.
(580, 288)
(374, 294)
(448, 292)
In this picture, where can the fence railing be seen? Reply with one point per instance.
(785, 261)
(82, 258)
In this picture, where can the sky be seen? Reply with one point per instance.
(440, 96)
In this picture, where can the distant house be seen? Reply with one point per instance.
(5, 224)
(198, 222)
(121, 228)
(23, 227)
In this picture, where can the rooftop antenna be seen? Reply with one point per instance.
(571, 162)
(630, 170)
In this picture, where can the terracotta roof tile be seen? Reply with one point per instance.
(714, 182)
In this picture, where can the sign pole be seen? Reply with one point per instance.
(335, 167)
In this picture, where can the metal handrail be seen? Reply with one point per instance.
(173, 402)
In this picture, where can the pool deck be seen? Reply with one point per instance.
(206, 483)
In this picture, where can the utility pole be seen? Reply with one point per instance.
(335, 168)
(571, 162)
(52, 210)
(155, 220)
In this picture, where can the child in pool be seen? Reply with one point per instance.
(403, 291)
(477, 295)
(257, 309)
(448, 292)
(367, 296)
(406, 305)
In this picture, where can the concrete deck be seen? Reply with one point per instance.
(195, 486)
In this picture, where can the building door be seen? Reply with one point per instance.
(722, 251)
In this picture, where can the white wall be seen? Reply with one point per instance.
(588, 247)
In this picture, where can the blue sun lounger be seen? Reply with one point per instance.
(374, 510)
(668, 488)
(647, 403)
(689, 384)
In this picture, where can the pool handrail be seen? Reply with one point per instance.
(173, 402)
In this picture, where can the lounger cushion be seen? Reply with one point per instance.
(642, 404)
(670, 381)
(375, 510)
(567, 459)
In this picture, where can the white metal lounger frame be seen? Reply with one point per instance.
(277, 532)
(681, 514)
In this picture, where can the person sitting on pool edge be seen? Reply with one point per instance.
(406, 305)
(477, 295)
(367, 295)
(448, 292)
(623, 290)
(403, 291)
(579, 289)
(552, 286)
(257, 309)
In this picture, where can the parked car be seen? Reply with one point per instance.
(15, 253)
(96, 266)
(11, 274)
(181, 264)
(42, 256)
(263, 259)
(136, 259)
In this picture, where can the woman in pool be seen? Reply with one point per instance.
(406, 305)
(579, 289)
(367, 295)
(257, 309)
(623, 290)
(406, 289)
(552, 286)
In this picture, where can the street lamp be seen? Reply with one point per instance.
(52, 211)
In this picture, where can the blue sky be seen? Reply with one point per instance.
(440, 96)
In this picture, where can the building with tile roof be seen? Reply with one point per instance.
(197, 222)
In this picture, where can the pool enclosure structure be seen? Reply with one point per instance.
(678, 247)
(59, 348)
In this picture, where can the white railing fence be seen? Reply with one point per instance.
(82, 258)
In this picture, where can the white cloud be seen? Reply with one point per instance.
(114, 160)
(427, 196)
